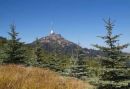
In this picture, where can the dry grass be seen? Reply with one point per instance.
(19, 77)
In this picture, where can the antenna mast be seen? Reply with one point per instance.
(52, 28)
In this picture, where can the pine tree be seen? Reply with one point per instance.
(14, 52)
(79, 67)
(2, 54)
(114, 70)
(30, 56)
(38, 51)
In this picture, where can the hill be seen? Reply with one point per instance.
(56, 43)
(2, 40)
(20, 77)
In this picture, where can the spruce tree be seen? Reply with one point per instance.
(30, 56)
(38, 51)
(14, 50)
(2, 54)
(114, 70)
(78, 64)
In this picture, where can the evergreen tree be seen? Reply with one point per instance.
(30, 56)
(38, 51)
(14, 51)
(2, 54)
(114, 73)
(79, 67)
(3, 42)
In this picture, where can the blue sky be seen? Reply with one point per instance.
(76, 20)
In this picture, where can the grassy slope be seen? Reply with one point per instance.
(19, 77)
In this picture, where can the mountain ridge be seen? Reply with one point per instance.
(56, 42)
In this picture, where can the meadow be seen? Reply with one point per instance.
(21, 77)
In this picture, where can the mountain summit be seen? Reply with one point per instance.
(56, 43)
(55, 38)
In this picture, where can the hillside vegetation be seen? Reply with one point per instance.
(20, 77)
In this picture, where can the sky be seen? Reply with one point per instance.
(76, 20)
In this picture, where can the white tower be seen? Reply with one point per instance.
(52, 31)
(52, 28)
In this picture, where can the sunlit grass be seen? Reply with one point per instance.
(20, 77)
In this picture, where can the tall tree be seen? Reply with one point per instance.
(79, 67)
(14, 51)
(114, 73)
(38, 51)
(3, 42)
